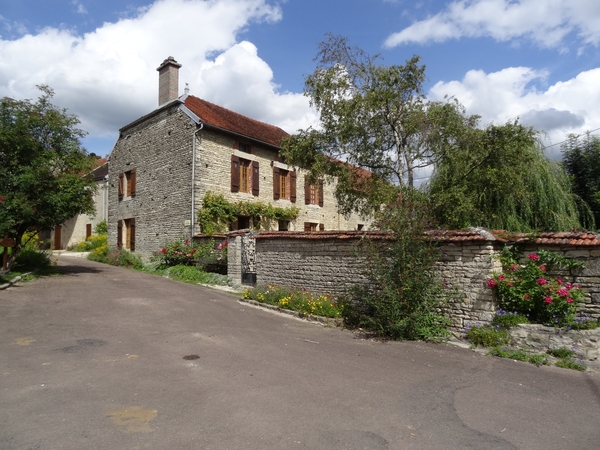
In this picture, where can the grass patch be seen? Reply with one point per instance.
(520, 355)
(571, 364)
(192, 275)
(295, 299)
(488, 335)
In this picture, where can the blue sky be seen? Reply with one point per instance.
(534, 59)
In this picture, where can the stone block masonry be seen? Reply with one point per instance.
(328, 262)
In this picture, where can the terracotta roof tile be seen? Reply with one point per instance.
(223, 118)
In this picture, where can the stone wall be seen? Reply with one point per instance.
(328, 262)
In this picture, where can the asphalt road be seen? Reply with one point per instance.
(95, 359)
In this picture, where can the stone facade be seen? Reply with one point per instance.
(160, 148)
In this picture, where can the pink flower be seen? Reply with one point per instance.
(569, 286)
(219, 258)
(543, 268)
(562, 292)
(164, 250)
(514, 267)
(542, 281)
(548, 300)
(559, 281)
(569, 300)
(501, 277)
(526, 296)
(491, 283)
(533, 257)
(188, 255)
(220, 246)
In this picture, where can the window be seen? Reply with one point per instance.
(359, 227)
(244, 148)
(126, 234)
(284, 225)
(127, 182)
(242, 223)
(244, 175)
(310, 226)
(313, 193)
(88, 230)
(284, 184)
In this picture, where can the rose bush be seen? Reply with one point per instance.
(529, 289)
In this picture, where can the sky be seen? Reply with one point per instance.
(536, 60)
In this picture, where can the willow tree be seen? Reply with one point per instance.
(500, 178)
(582, 163)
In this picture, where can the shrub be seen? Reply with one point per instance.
(508, 319)
(101, 228)
(571, 364)
(403, 298)
(561, 352)
(32, 259)
(195, 275)
(529, 289)
(488, 335)
(207, 255)
(296, 300)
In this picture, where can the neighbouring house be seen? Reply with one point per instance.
(80, 227)
(164, 163)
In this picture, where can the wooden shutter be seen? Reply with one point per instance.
(120, 234)
(255, 178)
(293, 186)
(321, 227)
(307, 226)
(306, 192)
(233, 225)
(132, 181)
(321, 193)
(121, 186)
(57, 237)
(235, 173)
(88, 230)
(132, 235)
(276, 183)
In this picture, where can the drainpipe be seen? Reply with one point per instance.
(194, 176)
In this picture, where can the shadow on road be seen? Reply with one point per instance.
(72, 269)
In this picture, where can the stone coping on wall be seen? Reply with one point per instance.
(576, 239)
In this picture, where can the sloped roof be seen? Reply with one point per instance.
(219, 117)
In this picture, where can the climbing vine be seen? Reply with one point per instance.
(217, 213)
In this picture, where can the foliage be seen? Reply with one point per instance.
(500, 178)
(571, 364)
(217, 213)
(520, 355)
(207, 255)
(583, 322)
(561, 352)
(41, 167)
(402, 297)
(33, 259)
(488, 335)
(581, 159)
(296, 300)
(116, 257)
(195, 275)
(373, 117)
(91, 243)
(508, 319)
(529, 289)
(101, 227)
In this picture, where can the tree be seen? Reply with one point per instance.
(500, 178)
(43, 167)
(376, 120)
(582, 163)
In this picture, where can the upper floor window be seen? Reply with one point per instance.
(313, 193)
(284, 184)
(244, 175)
(244, 148)
(127, 181)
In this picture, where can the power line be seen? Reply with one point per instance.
(566, 140)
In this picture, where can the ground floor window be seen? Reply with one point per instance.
(126, 234)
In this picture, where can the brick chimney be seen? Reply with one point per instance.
(168, 81)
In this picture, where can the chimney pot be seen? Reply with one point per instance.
(168, 81)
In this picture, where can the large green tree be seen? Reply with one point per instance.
(500, 178)
(43, 167)
(582, 163)
(375, 119)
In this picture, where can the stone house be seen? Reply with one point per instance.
(164, 163)
(79, 228)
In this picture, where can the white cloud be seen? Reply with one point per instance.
(108, 77)
(80, 8)
(562, 108)
(545, 22)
